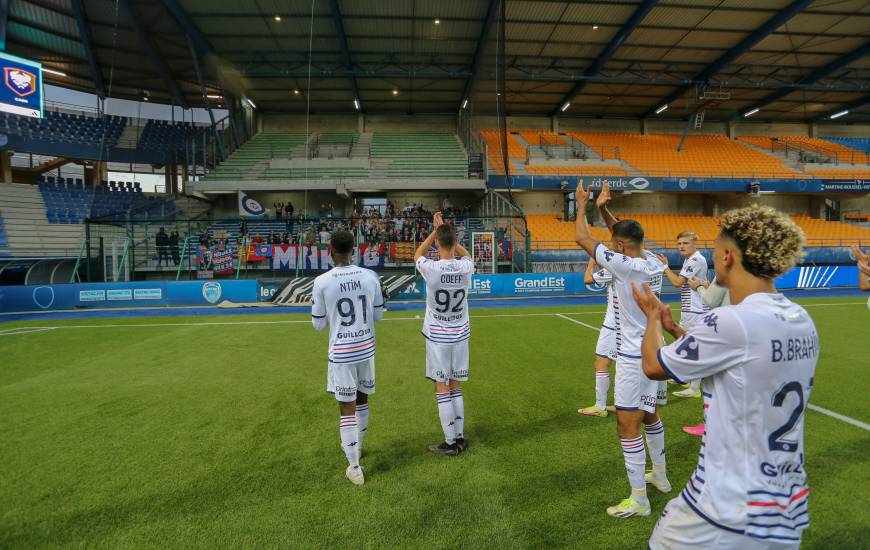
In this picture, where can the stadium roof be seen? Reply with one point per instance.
(795, 60)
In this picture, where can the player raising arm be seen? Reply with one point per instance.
(757, 358)
(348, 299)
(635, 396)
(447, 329)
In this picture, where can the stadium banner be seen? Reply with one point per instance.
(21, 92)
(694, 185)
(218, 258)
(249, 207)
(266, 289)
(287, 257)
(139, 294)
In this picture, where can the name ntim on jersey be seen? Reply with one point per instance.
(629, 319)
(349, 299)
(604, 278)
(757, 361)
(447, 285)
(695, 266)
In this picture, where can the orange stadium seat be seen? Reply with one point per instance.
(702, 156)
(842, 153)
(576, 170)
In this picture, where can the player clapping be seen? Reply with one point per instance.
(757, 358)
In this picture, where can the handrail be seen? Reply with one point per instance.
(184, 256)
(123, 258)
(75, 270)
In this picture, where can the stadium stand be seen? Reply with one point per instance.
(702, 155)
(71, 201)
(495, 155)
(419, 155)
(860, 144)
(28, 231)
(550, 232)
(58, 126)
(165, 135)
(808, 149)
(838, 173)
(584, 170)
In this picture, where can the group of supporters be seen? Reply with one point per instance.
(747, 350)
(167, 245)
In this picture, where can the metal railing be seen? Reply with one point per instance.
(537, 244)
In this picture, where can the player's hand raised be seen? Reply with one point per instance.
(662, 258)
(437, 220)
(860, 256)
(647, 300)
(864, 267)
(581, 196)
(667, 318)
(603, 195)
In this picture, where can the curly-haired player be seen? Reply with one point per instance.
(757, 358)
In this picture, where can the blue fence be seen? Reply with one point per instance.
(693, 185)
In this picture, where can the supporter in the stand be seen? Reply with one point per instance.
(162, 242)
(279, 207)
(289, 210)
(324, 235)
(173, 246)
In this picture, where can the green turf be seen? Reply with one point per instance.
(193, 435)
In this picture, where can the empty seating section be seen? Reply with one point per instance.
(28, 232)
(69, 201)
(249, 160)
(581, 170)
(337, 138)
(495, 152)
(702, 155)
(817, 147)
(860, 144)
(661, 230)
(66, 127)
(537, 137)
(420, 154)
(163, 134)
(824, 233)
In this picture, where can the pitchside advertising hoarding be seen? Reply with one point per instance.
(21, 92)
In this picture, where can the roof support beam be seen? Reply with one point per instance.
(858, 104)
(214, 129)
(87, 41)
(153, 54)
(345, 50)
(639, 14)
(746, 44)
(477, 62)
(185, 23)
(814, 76)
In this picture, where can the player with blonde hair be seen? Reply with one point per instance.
(757, 358)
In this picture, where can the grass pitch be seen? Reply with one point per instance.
(216, 432)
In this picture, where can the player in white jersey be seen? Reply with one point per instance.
(635, 395)
(348, 298)
(447, 329)
(863, 268)
(757, 358)
(605, 348)
(692, 307)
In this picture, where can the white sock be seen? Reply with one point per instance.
(655, 441)
(695, 385)
(602, 386)
(362, 422)
(634, 453)
(458, 411)
(447, 416)
(349, 439)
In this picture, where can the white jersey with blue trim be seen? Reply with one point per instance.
(349, 299)
(695, 266)
(757, 360)
(604, 278)
(447, 285)
(629, 319)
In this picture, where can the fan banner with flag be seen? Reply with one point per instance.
(249, 207)
(289, 257)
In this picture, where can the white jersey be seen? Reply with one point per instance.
(349, 299)
(629, 319)
(447, 285)
(695, 266)
(757, 360)
(604, 278)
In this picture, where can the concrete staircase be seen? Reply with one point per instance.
(787, 162)
(129, 138)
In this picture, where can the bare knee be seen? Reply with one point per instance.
(628, 424)
(362, 398)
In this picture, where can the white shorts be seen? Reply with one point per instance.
(606, 346)
(679, 527)
(343, 380)
(446, 362)
(632, 390)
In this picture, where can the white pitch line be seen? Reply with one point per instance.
(840, 417)
(578, 322)
(832, 414)
(24, 330)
